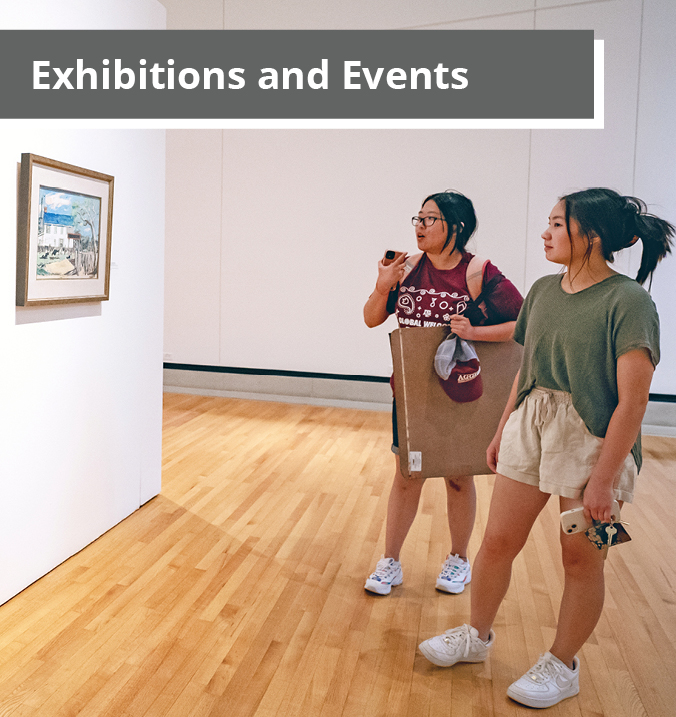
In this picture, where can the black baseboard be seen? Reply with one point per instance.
(275, 372)
(662, 398)
(657, 397)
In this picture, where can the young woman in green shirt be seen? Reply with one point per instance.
(571, 425)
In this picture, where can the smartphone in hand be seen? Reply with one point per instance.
(573, 521)
(390, 256)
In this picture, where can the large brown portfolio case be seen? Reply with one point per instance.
(437, 436)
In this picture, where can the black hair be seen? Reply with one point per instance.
(458, 213)
(619, 222)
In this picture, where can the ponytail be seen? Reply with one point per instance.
(655, 235)
(619, 222)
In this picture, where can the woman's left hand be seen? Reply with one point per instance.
(461, 327)
(634, 373)
(597, 501)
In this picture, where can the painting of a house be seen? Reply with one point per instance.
(67, 235)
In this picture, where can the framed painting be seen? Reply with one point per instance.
(64, 233)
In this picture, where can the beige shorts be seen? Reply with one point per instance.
(546, 444)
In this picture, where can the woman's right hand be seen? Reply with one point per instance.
(492, 452)
(389, 276)
(494, 446)
(375, 309)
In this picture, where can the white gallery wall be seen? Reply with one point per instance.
(273, 235)
(80, 446)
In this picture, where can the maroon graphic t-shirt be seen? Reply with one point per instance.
(430, 297)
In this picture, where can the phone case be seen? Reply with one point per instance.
(390, 256)
(573, 521)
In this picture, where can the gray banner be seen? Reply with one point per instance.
(332, 74)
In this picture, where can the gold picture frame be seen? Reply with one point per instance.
(64, 233)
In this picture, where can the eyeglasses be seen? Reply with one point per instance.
(427, 222)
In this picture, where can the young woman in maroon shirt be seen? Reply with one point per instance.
(435, 292)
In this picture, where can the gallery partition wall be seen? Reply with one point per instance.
(81, 385)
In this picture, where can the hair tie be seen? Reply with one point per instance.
(632, 206)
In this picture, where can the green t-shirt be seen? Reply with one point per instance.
(572, 343)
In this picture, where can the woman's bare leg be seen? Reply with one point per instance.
(514, 508)
(401, 510)
(461, 509)
(583, 592)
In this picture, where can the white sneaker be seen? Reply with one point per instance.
(546, 683)
(454, 575)
(461, 644)
(387, 575)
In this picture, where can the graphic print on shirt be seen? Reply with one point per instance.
(428, 307)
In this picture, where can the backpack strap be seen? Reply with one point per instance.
(475, 275)
(411, 263)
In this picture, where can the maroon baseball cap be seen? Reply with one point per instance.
(457, 365)
(464, 383)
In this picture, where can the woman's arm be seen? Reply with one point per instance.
(375, 309)
(461, 326)
(494, 446)
(634, 374)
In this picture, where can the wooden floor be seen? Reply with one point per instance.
(239, 590)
